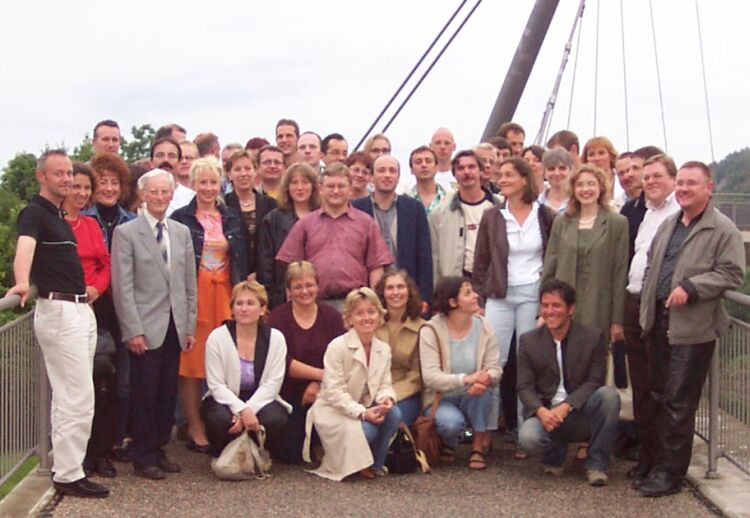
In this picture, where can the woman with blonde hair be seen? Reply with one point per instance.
(600, 152)
(355, 413)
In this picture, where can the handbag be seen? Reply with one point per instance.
(617, 369)
(243, 458)
(104, 355)
(426, 437)
(403, 456)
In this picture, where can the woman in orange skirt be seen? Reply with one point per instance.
(221, 258)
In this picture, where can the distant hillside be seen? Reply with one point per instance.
(733, 172)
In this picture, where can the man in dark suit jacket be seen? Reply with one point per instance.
(402, 223)
(561, 373)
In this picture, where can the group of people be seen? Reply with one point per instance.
(328, 298)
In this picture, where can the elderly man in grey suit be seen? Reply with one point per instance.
(154, 285)
(561, 372)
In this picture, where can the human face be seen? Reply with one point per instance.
(587, 189)
(286, 139)
(157, 194)
(337, 151)
(657, 183)
(379, 147)
(630, 175)
(247, 308)
(536, 165)
(557, 174)
(423, 165)
(555, 312)
(56, 178)
(443, 145)
(503, 154)
(207, 186)
(692, 190)
(106, 140)
(467, 173)
(467, 300)
(189, 154)
(364, 318)
(395, 292)
(80, 192)
(599, 156)
(270, 166)
(227, 152)
(300, 188)
(303, 291)
(488, 157)
(242, 174)
(385, 174)
(308, 149)
(515, 139)
(166, 156)
(109, 189)
(335, 191)
(511, 183)
(361, 176)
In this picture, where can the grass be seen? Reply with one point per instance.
(19, 475)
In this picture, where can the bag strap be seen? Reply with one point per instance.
(424, 466)
(255, 448)
(436, 399)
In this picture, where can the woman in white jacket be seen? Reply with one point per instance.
(245, 365)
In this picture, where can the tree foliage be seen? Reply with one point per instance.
(19, 177)
(84, 151)
(732, 173)
(139, 146)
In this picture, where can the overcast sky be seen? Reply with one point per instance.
(236, 67)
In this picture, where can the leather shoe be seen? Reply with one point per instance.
(169, 466)
(83, 488)
(150, 472)
(198, 448)
(122, 453)
(104, 468)
(660, 484)
(638, 471)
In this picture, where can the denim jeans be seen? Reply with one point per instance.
(410, 408)
(455, 410)
(515, 313)
(379, 435)
(596, 422)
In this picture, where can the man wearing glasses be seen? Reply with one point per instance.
(270, 170)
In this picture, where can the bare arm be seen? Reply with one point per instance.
(376, 275)
(300, 370)
(25, 248)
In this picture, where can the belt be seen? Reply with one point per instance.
(67, 297)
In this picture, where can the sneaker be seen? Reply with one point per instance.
(548, 469)
(596, 478)
(381, 472)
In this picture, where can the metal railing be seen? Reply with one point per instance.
(24, 395)
(723, 418)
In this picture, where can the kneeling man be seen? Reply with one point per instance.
(561, 373)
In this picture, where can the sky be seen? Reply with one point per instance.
(236, 67)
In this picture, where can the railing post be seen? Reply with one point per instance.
(43, 446)
(713, 417)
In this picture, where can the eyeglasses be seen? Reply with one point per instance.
(159, 192)
(269, 162)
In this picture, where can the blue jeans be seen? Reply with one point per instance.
(596, 422)
(515, 313)
(454, 411)
(410, 408)
(379, 435)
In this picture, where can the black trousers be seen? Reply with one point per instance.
(218, 420)
(678, 373)
(153, 394)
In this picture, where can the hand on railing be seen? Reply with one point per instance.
(13, 297)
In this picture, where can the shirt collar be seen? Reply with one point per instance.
(667, 201)
(152, 221)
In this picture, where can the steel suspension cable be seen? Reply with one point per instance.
(658, 75)
(429, 69)
(596, 64)
(705, 85)
(625, 77)
(575, 71)
(411, 73)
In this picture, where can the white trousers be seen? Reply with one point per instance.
(66, 332)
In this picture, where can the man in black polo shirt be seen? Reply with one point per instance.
(64, 323)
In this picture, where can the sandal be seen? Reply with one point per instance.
(476, 461)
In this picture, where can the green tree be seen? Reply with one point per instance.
(139, 147)
(19, 177)
(10, 206)
(84, 151)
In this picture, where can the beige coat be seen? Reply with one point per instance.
(407, 380)
(341, 401)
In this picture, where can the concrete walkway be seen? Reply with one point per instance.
(506, 488)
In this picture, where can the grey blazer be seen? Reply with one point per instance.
(144, 291)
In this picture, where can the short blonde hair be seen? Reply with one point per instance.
(358, 295)
(256, 289)
(206, 163)
(574, 208)
(298, 269)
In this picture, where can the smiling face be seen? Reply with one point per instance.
(364, 318)
(657, 183)
(467, 300)
(395, 292)
(247, 308)
(599, 156)
(385, 174)
(693, 190)
(303, 291)
(511, 183)
(555, 312)
(207, 186)
(286, 139)
(300, 188)
(157, 194)
(56, 178)
(587, 189)
(242, 174)
(557, 175)
(109, 188)
(361, 176)
(80, 193)
(335, 191)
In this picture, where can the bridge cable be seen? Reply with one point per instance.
(411, 73)
(429, 69)
(658, 75)
(625, 77)
(596, 64)
(541, 136)
(575, 70)
(705, 86)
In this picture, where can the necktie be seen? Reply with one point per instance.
(564, 373)
(160, 240)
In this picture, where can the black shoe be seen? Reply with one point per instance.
(104, 468)
(182, 433)
(123, 453)
(83, 488)
(639, 471)
(660, 484)
(88, 467)
(150, 472)
(198, 448)
(169, 466)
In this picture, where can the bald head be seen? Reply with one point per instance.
(385, 174)
(443, 144)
